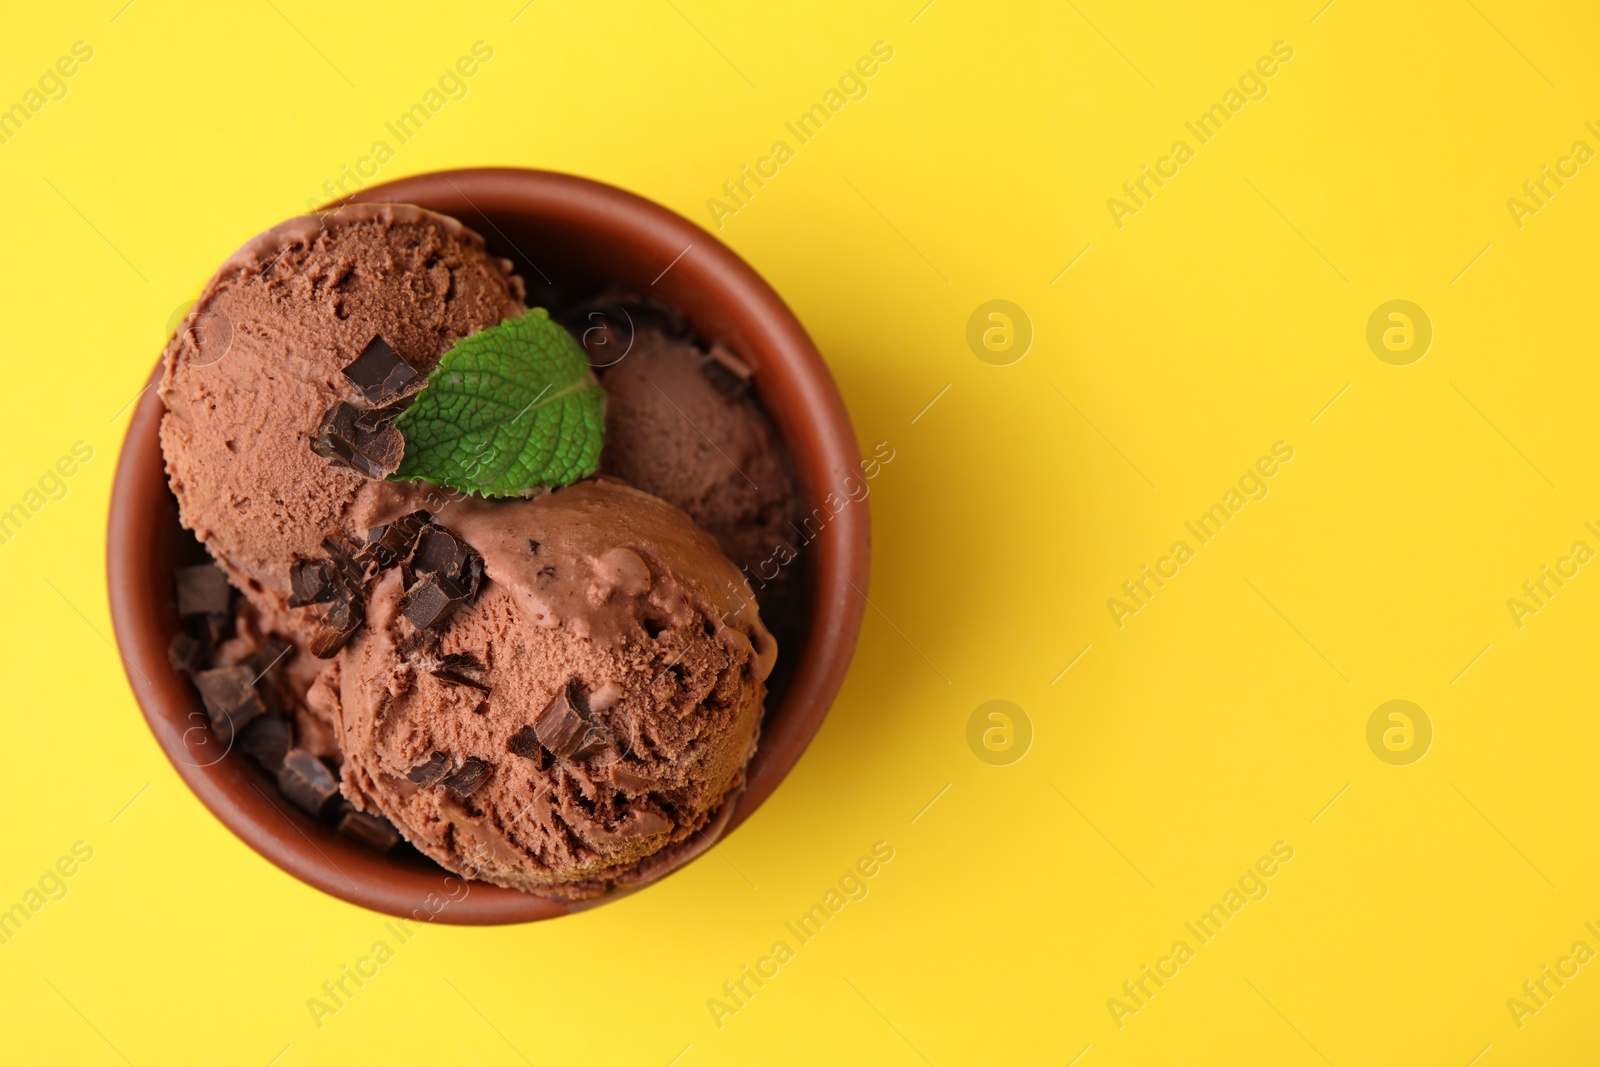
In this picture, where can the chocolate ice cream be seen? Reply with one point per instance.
(684, 423)
(585, 720)
(253, 373)
(557, 694)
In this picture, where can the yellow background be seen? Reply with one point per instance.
(1225, 716)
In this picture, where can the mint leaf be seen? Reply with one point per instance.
(512, 409)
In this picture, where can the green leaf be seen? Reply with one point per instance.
(513, 409)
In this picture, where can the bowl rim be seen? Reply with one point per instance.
(800, 395)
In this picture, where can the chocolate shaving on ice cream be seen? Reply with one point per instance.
(374, 831)
(428, 773)
(393, 541)
(345, 438)
(267, 741)
(306, 780)
(563, 726)
(311, 581)
(231, 699)
(525, 743)
(380, 373)
(203, 590)
(466, 781)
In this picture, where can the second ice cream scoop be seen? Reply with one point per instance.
(586, 720)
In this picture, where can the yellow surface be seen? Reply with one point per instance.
(1230, 713)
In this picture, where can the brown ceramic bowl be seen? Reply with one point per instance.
(560, 231)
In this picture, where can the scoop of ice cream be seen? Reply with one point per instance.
(682, 424)
(259, 362)
(586, 721)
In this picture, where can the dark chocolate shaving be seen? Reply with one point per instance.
(563, 726)
(346, 439)
(212, 630)
(380, 373)
(441, 553)
(230, 698)
(473, 773)
(347, 603)
(267, 741)
(463, 669)
(186, 653)
(460, 661)
(306, 781)
(426, 604)
(272, 654)
(343, 553)
(472, 581)
(374, 831)
(374, 419)
(202, 590)
(392, 542)
(525, 743)
(430, 772)
(311, 581)
(444, 572)
(343, 618)
(455, 677)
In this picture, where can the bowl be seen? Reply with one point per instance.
(559, 230)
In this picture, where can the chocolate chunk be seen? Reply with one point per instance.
(231, 699)
(374, 831)
(374, 419)
(211, 629)
(455, 566)
(533, 547)
(311, 581)
(272, 654)
(343, 618)
(444, 571)
(186, 653)
(473, 773)
(426, 604)
(345, 612)
(456, 677)
(267, 741)
(563, 728)
(440, 552)
(344, 439)
(460, 661)
(380, 373)
(306, 781)
(327, 641)
(525, 743)
(472, 581)
(343, 553)
(559, 726)
(430, 772)
(202, 590)
(347, 604)
(392, 542)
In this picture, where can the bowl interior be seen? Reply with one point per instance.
(568, 237)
